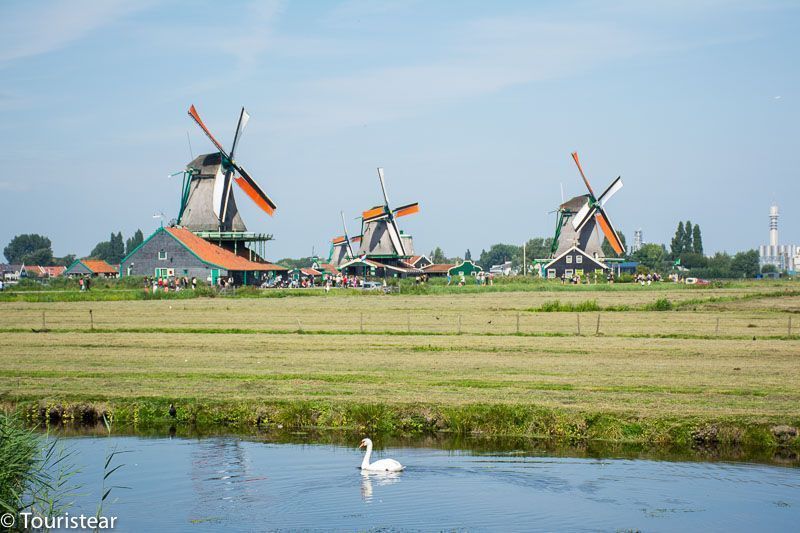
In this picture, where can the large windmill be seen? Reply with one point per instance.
(342, 246)
(381, 237)
(580, 217)
(207, 201)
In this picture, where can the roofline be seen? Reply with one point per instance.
(571, 248)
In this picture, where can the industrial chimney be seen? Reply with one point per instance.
(773, 225)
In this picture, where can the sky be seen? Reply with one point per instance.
(472, 108)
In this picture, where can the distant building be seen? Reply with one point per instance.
(91, 267)
(637, 241)
(11, 272)
(503, 269)
(785, 257)
(177, 252)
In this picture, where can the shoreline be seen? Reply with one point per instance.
(560, 426)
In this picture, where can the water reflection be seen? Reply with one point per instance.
(378, 479)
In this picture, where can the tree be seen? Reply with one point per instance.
(500, 253)
(651, 255)
(538, 247)
(769, 267)
(437, 256)
(608, 251)
(697, 240)
(676, 246)
(133, 242)
(688, 230)
(467, 255)
(111, 251)
(31, 249)
(66, 261)
(745, 264)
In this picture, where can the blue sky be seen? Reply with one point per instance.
(471, 107)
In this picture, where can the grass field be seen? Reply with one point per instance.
(719, 364)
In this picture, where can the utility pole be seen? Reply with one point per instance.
(524, 260)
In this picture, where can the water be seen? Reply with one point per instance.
(227, 483)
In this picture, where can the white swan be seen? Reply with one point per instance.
(384, 465)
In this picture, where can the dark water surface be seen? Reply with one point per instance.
(226, 483)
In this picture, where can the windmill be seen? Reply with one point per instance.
(579, 218)
(342, 247)
(381, 237)
(207, 201)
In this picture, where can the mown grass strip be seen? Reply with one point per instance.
(248, 331)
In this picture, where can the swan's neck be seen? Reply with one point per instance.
(365, 462)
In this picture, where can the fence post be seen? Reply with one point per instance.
(299, 326)
(91, 320)
(459, 324)
(361, 323)
(44, 323)
(597, 331)
(517, 323)
(579, 322)
(408, 323)
(716, 330)
(790, 326)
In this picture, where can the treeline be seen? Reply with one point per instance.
(34, 249)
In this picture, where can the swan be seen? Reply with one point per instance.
(384, 465)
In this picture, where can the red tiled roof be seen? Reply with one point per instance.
(98, 266)
(329, 268)
(211, 253)
(437, 268)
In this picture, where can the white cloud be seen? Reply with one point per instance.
(38, 28)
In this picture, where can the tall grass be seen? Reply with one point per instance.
(35, 471)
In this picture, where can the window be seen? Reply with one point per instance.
(568, 272)
(579, 271)
(569, 259)
(162, 255)
(579, 259)
(551, 273)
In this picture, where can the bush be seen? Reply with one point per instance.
(662, 304)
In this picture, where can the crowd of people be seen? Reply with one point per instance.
(171, 283)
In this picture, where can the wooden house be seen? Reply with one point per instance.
(178, 252)
(573, 261)
(96, 268)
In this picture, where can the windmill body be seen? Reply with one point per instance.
(587, 239)
(198, 213)
(381, 236)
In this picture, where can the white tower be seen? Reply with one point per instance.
(773, 225)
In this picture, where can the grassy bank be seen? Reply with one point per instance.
(718, 367)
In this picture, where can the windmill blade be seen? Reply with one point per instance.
(374, 213)
(586, 181)
(406, 210)
(394, 236)
(217, 194)
(612, 189)
(611, 234)
(256, 193)
(347, 240)
(243, 118)
(383, 188)
(583, 215)
(226, 193)
(193, 113)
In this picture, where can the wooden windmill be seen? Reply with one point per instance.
(207, 201)
(342, 247)
(381, 236)
(581, 216)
